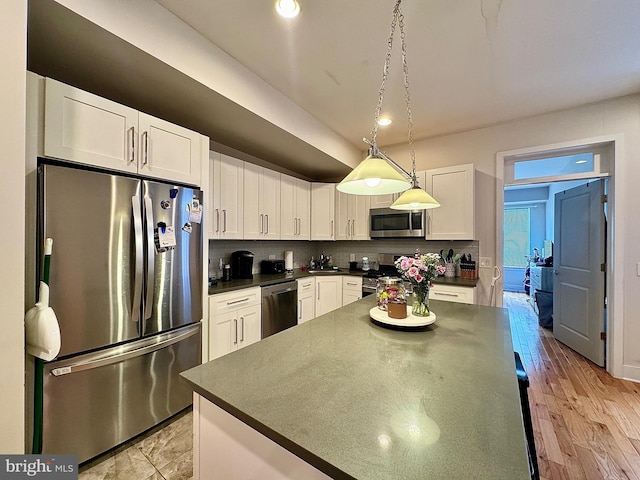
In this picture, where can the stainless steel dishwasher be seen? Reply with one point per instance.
(279, 307)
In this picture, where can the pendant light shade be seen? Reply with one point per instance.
(374, 176)
(415, 199)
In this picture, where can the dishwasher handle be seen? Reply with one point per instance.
(279, 289)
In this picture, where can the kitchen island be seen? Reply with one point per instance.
(339, 397)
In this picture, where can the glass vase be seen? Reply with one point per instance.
(421, 301)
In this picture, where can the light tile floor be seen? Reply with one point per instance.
(163, 453)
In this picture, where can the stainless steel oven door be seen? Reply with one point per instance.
(368, 286)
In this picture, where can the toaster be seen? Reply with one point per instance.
(272, 266)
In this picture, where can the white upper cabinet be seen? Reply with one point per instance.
(323, 211)
(352, 217)
(89, 129)
(226, 203)
(453, 188)
(295, 208)
(168, 151)
(261, 203)
(383, 201)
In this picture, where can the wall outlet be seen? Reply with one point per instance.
(272, 257)
(485, 262)
(352, 257)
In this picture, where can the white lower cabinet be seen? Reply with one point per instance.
(453, 293)
(235, 321)
(351, 289)
(306, 299)
(328, 294)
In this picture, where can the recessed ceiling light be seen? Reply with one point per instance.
(580, 161)
(287, 8)
(384, 121)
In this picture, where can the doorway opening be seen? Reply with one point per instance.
(527, 238)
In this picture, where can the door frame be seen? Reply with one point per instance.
(615, 246)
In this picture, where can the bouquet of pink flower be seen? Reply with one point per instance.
(421, 270)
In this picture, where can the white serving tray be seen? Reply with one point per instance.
(411, 321)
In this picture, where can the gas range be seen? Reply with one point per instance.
(370, 279)
(386, 268)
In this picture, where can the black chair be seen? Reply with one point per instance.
(523, 384)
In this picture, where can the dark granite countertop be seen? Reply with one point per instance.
(359, 401)
(261, 280)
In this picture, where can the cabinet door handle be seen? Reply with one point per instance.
(235, 326)
(299, 309)
(299, 227)
(444, 294)
(224, 218)
(267, 230)
(295, 227)
(217, 220)
(332, 234)
(245, 299)
(353, 227)
(132, 143)
(145, 148)
(352, 284)
(318, 288)
(261, 223)
(242, 329)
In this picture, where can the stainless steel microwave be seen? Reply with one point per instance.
(388, 223)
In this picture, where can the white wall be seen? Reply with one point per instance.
(13, 36)
(614, 117)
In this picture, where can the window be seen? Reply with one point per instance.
(517, 244)
(549, 167)
(588, 161)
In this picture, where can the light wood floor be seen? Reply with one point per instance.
(586, 423)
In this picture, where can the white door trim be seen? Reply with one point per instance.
(615, 244)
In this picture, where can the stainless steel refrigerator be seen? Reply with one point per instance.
(128, 300)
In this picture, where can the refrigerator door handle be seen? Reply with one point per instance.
(120, 354)
(138, 259)
(148, 304)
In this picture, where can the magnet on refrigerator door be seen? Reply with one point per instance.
(164, 238)
(195, 211)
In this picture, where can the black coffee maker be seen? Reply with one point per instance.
(242, 264)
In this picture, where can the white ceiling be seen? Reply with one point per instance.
(472, 63)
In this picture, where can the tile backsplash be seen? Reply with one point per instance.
(339, 250)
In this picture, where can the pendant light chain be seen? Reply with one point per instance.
(405, 71)
(385, 71)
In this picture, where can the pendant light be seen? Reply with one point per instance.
(415, 198)
(378, 174)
